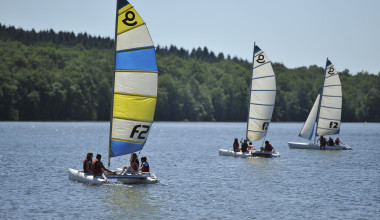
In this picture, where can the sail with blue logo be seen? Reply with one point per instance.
(262, 96)
(134, 82)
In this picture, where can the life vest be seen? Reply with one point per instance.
(244, 147)
(236, 147)
(268, 148)
(145, 167)
(135, 164)
(252, 147)
(96, 170)
(84, 165)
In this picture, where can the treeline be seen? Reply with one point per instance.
(63, 76)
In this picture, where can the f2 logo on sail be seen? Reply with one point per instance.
(265, 126)
(130, 17)
(333, 124)
(140, 130)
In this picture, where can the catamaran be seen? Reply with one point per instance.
(261, 104)
(325, 115)
(134, 94)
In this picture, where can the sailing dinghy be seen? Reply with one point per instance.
(325, 114)
(134, 92)
(261, 104)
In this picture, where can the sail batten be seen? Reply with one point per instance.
(262, 96)
(135, 82)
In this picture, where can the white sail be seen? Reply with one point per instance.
(262, 96)
(308, 128)
(330, 111)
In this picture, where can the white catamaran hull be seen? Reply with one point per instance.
(141, 178)
(80, 176)
(224, 152)
(311, 146)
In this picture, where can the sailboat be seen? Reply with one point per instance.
(325, 115)
(260, 106)
(135, 82)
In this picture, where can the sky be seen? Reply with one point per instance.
(292, 32)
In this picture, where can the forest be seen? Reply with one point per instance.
(62, 76)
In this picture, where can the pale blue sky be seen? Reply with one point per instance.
(293, 32)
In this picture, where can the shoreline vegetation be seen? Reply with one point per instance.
(50, 76)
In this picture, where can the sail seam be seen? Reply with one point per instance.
(261, 65)
(259, 53)
(331, 76)
(252, 103)
(129, 141)
(124, 10)
(257, 131)
(122, 32)
(132, 94)
(137, 71)
(332, 85)
(135, 49)
(332, 96)
(263, 77)
(329, 119)
(328, 129)
(323, 106)
(265, 119)
(263, 90)
(133, 119)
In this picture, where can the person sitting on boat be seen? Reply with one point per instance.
(251, 146)
(268, 147)
(322, 142)
(97, 167)
(236, 145)
(331, 142)
(134, 165)
(244, 146)
(144, 165)
(337, 141)
(87, 163)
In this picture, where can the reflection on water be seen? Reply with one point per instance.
(131, 199)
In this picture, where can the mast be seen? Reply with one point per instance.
(250, 90)
(113, 86)
(320, 101)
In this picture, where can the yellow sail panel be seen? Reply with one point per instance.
(134, 107)
(127, 20)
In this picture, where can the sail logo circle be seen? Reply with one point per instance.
(260, 59)
(130, 17)
(331, 70)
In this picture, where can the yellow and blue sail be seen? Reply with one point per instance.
(134, 82)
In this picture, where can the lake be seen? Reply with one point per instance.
(195, 182)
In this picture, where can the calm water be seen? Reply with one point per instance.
(196, 183)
